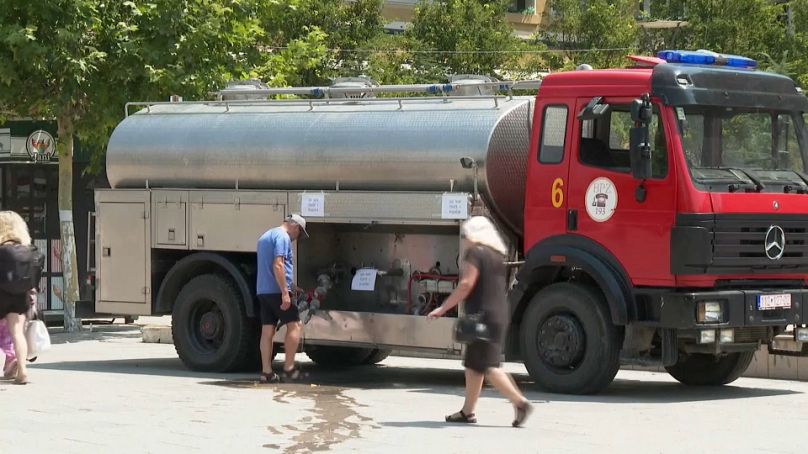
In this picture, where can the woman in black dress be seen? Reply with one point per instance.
(482, 286)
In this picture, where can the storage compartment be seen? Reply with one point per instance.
(232, 221)
(417, 266)
(170, 212)
(123, 253)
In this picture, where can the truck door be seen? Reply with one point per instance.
(123, 251)
(609, 201)
(548, 170)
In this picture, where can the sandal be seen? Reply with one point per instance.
(523, 411)
(292, 375)
(462, 417)
(271, 377)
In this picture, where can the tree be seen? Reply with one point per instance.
(78, 60)
(596, 32)
(467, 36)
(747, 27)
(310, 42)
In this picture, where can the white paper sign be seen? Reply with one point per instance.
(364, 280)
(454, 206)
(313, 205)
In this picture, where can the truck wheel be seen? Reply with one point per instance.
(210, 327)
(335, 357)
(569, 344)
(377, 355)
(702, 369)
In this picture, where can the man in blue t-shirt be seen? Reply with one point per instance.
(274, 288)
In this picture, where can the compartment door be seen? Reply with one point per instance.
(123, 253)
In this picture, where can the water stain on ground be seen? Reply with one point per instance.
(334, 418)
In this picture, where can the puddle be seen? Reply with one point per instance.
(333, 419)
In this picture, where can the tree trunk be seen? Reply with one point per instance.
(69, 263)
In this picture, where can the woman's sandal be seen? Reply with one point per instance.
(522, 411)
(291, 376)
(462, 417)
(271, 377)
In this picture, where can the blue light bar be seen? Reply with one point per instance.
(706, 58)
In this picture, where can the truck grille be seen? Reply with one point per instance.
(735, 244)
(740, 242)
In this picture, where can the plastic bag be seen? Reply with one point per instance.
(36, 334)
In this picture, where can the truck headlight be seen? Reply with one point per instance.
(709, 312)
(726, 336)
(707, 336)
(801, 334)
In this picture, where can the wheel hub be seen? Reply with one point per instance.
(211, 325)
(561, 341)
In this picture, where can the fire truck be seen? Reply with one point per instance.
(657, 215)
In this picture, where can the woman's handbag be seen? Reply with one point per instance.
(37, 337)
(471, 328)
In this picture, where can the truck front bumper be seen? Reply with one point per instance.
(738, 308)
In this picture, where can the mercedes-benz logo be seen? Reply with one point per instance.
(775, 242)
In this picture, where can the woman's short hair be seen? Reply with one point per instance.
(480, 230)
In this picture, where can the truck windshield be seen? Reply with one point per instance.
(741, 148)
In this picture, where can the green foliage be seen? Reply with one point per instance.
(749, 27)
(585, 29)
(476, 35)
(309, 42)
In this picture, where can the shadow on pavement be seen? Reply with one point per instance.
(428, 380)
(165, 367)
(433, 425)
(102, 333)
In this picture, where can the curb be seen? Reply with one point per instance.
(764, 365)
(157, 335)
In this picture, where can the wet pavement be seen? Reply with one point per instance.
(107, 392)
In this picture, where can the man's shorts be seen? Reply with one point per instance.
(269, 308)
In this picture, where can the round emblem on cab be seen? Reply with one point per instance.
(601, 199)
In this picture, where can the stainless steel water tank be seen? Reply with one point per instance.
(357, 145)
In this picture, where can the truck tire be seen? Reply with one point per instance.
(702, 369)
(377, 355)
(569, 344)
(210, 326)
(337, 357)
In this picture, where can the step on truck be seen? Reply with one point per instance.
(657, 215)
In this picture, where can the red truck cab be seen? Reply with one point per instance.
(666, 218)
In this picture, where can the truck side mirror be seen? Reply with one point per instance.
(641, 111)
(639, 141)
(640, 152)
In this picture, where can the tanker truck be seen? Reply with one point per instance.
(656, 215)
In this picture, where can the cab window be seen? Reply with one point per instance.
(604, 142)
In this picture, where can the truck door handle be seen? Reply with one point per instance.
(200, 240)
(106, 252)
(572, 220)
(171, 235)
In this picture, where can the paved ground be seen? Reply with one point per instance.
(107, 392)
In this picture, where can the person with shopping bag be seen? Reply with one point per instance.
(20, 271)
(482, 287)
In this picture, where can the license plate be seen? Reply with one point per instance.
(769, 302)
